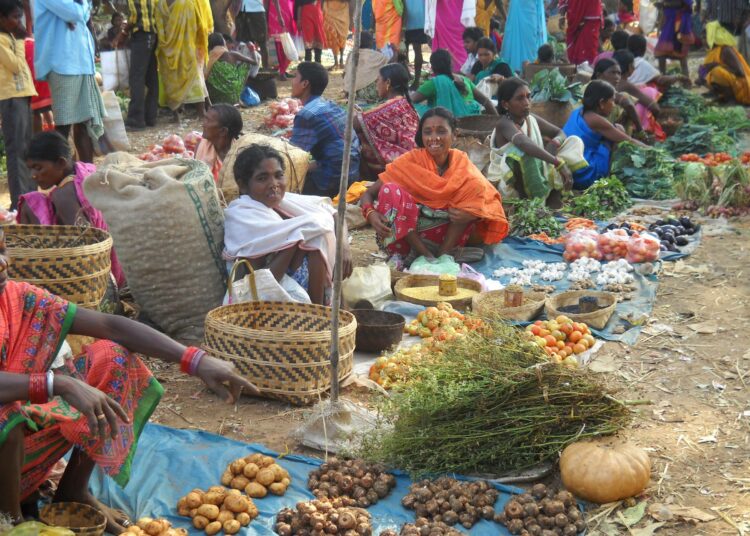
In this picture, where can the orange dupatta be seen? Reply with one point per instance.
(462, 186)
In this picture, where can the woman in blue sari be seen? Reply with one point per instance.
(525, 32)
(454, 92)
(590, 123)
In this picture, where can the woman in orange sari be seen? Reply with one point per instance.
(432, 198)
(387, 23)
(336, 24)
(96, 403)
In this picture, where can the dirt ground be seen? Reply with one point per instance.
(690, 382)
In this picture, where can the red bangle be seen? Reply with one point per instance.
(38, 388)
(367, 208)
(191, 359)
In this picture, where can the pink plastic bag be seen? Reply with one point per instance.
(643, 248)
(613, 244)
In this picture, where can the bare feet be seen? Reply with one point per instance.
(115, 518)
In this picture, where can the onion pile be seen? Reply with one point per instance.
(422, 527)
(452, 502)
(543, 512)
(364, 482)
(324, 517)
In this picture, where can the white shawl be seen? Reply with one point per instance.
(468, 14)
(643, 72)
(251, 229)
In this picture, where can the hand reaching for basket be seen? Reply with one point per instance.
(222, 378)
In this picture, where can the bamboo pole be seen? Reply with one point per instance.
(341, 215)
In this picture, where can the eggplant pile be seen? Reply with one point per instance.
(673, 232)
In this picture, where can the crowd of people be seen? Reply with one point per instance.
(424, 197)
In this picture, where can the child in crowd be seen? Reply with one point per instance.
(319, 128)
(625, 13)
(605, 36)
(41, 104)
(545, 55)
(16, 88)
(117, 35)
(496, 32)
(62, 201)
(619, 41)
(471, 37)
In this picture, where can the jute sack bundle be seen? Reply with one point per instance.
(168, 225)
(297, 162)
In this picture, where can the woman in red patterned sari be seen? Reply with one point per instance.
(96, 403)
(584, 19)
(387, 130)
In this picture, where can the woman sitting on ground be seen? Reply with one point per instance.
(387, 130)
(456, 93)
(288, 233)
(432, 198)
(646, 96)
(725, 70)
(599, 135)
(624, 111)
(227, 71)
(520, 164)
(62, 201)
(222, 124)
(370, 63)
(488, 65)
(95, 403)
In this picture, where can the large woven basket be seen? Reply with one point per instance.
(282, 347)
(595, 319)
(78, 518)
(417, 280)
(476, 126)
(484, 305)
(556, 113)
(71, 262)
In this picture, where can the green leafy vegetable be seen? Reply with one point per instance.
(551, 85)
(700, 139)
(687, 101)
(532, 216)
(732, 118)
(646, 172)
(602, 200)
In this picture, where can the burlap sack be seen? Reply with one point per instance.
(168, 225)
(297, 162)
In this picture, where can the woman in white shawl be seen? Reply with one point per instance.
(288, 233)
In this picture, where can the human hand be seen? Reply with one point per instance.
(379, 223)
(347, 265)
(567, 178)
(99, 410)
(216, 374)
(654, 108)
(457, 215)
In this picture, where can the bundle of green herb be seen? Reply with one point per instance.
(686, 101)
(602, 200)
(723, 119)
(646, 172)
(551, 85)
(699, 139)
(531, 216)
(490, 403)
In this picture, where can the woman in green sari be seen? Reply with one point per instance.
(454, 92)
(227, 71)
(488, 64)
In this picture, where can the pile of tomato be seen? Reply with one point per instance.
(561, 338)
(711, 159)
(396, 367)
(442, 323)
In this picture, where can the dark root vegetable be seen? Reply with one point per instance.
(539, 491)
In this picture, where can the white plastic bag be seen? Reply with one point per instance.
(371, 283)
(648, 15)
(115, 137)
(261, 285)
(115, 69)
(488, 87)
(290, 49)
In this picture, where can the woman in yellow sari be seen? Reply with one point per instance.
(725, 70)
(182, 28)
(336, 27)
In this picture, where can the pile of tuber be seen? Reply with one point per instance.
(543, 512)
(256, 475)
(147, 526)
(452, 502)
(324, 517)
(423, 527)
(364, 482)
(217, 509)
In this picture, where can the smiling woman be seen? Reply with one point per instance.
(290, 234)
(432, 198)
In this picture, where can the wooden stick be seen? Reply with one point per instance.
(341, 215)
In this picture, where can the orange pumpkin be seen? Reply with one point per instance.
(604, 471)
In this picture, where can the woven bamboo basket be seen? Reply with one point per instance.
(595, 319)
(556, 113)
(79, 518)
(281, 347)
(432, 280)
(71, 262)
(378, 330)
(482, 305)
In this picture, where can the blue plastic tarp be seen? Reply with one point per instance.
(169, 463)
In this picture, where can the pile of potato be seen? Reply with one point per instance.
(322, 517)
(256, 475)
(147, 526)
(423, 527)
(217, 509)
(364, 482)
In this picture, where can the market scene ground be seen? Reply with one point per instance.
(544, 269)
